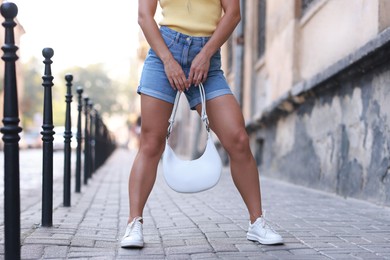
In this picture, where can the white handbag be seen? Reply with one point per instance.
(190, 176)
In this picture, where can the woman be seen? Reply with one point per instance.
(185, 51)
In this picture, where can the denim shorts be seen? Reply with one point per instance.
(184, 48)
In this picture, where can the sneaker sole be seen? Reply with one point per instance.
(132, 244)
(264, 242)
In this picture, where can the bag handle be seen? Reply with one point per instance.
(203, 113)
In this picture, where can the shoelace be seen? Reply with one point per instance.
(133, 227)
(264, 223)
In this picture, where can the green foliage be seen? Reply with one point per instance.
(32, 98)
(110, 96)
(98, 86)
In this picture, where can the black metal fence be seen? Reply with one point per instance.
(98, 143)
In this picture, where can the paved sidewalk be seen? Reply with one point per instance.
(208, 225)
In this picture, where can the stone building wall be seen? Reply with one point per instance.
(333, 134)
(315, 102)
(338, 140)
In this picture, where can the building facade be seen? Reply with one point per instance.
(312, 77)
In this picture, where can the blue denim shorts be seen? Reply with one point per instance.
(184, 48)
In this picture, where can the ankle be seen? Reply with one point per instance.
(131, 219)
(253, 218)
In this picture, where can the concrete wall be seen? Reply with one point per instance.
(315, 103)
(337, 141)
(297, 48)
(332, 30)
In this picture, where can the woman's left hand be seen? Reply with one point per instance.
(199, 69)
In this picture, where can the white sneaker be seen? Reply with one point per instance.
(133, 236)
(263, 233)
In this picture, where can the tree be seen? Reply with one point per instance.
(109, 95)
(97, 85)
(32, 101)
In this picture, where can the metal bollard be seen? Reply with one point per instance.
(91, 139)
(98, 146)
(106, 138)
(11, 138)
(86, 141)
(47, 138)
(67, 136)
(79, 139)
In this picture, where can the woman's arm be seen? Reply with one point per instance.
(200, 65)
(173, 70)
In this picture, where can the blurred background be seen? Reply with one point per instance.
(96, 42)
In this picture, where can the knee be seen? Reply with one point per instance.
(152, 146)
(238, 143)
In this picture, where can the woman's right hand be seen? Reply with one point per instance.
(175, 74)
(173, 70)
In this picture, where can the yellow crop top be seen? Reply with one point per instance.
(191, 17)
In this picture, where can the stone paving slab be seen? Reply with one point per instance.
(207, 225)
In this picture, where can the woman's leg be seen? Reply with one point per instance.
(227, 122)
(154, 115)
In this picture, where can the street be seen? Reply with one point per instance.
(207, 225)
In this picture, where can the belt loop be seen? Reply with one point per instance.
(177, 37)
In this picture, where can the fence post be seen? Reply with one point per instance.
(79, 139)
(86, 141)
(67, 136)
(47, 133)
(11, 138)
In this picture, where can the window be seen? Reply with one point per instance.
(230, 54)
(261, 9)
(243, 13)
(259, 152)
(305, 5)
